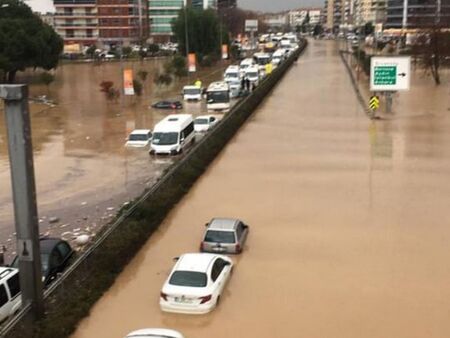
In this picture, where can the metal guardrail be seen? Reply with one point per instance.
(22, 318)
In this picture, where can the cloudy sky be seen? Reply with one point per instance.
(260, 5)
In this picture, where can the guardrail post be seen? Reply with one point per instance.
(24, 194)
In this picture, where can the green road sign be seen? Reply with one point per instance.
(385, 75)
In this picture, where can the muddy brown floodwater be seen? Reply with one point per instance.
(83, 171)
(349, 226)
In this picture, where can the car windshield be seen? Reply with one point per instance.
(188, 278)
(218, 97)
(214, 236)
(164, 139)
(138, 137)
(263, 61)
(232, 75)
(252, 74)
(201, 121)
(192, 91)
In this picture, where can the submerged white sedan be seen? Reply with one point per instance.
(154, 333)
(204, 123)
(195, 283)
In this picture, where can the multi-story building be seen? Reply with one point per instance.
(276, 21)
(369, 11)
(124, 21)
(416, 13)
(298, 16)
(76, 21)
(333, 18)
(89, 22)
(162, 13)
(203, 4)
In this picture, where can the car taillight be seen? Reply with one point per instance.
(238, 248)
(163, 296)
(202, 246)
(205, 299)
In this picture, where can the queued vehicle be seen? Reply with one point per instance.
(168, 105)
(218, 97)
(204, 123)
(172, 134)
(55, 258)
(246, 63)
(192, 93)
(139, 138)
(10, 299)
(232, 73)
(252, 73)
(224, 236)
(154, 333)
(195, 283)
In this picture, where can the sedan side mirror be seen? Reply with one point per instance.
(226, 263)
(175, 259)
(206, 224)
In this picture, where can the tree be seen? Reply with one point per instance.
(91, 51)
(137, 86)
(142, 74)
(368, 28)
(318, 29)
(203, 32)
(111, 93)
(432, 45)
(153, 48)
(25, 41)
(47, 78)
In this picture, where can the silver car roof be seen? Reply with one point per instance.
(223, 224)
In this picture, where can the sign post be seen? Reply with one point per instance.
(390, 74)
(20, 148)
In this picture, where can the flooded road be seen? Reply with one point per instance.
(83, 171)
(348, 228)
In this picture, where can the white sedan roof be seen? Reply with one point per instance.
(155, 333)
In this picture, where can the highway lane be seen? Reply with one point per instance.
(349, 235)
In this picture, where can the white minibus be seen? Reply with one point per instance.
(173, 134)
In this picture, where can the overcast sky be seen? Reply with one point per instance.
(257, 5)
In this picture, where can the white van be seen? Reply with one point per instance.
(245, 64)
(232, 73)
(172, 134)
(10, 298)
(252, 73)
(192, 93)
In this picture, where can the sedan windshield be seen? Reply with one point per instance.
(193, 91)
(188, 278)
(165, 139)
(252, 74)
(201, 121)
(226, 237)
(138, 137)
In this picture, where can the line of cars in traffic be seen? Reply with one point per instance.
(175, 132)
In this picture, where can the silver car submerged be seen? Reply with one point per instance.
(224, 235)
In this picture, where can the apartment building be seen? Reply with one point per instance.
(416, 13)
(106, 22)
(161, 14)
(333, 14)
(76, 21)
(298, 16)
(203, 4)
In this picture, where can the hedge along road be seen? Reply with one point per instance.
(339, 245)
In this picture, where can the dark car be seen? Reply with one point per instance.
(55, 257)
(168, 105)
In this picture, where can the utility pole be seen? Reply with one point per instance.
(186, 37)
(24, 195)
